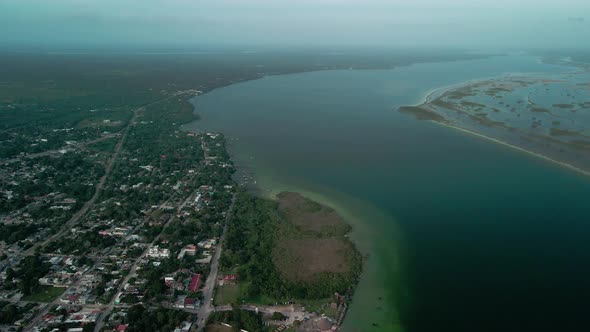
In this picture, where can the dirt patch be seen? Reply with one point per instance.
(218, 328)
(310, 216)
(303, 259)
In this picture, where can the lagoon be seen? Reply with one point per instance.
(461, 234)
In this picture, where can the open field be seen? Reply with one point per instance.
(303, 259)
(46, 294)
(316, 245)
(227, 294)
(309, 215)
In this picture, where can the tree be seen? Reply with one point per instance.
(278, 316)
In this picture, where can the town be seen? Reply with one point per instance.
(118, 225)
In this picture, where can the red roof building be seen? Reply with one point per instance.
(230, 277)
(122, 328)
(189, 302)
(195, 282)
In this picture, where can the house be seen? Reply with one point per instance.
(190, 303)
(179, 303)
(122, 327)
(117, 231)
(195, 283)
(207, 244)
(230, 277)
(71, 299)
(156, 252)
(190, 250)
(186, 326)
(168, 280)
(204, 260)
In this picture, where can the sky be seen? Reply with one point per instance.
(383, 23)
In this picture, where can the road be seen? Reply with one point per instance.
(111, 305)
(76, 217)
(292, 312)
(57, 152)
(90, 203)
(206, 308)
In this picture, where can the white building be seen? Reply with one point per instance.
(156, 252)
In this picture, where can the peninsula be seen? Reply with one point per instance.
(516, 110)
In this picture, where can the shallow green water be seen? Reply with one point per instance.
(462, 234)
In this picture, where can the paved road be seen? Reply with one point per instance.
(111, 305)
(57, 152)
(76, 217)
(89, 204)
(206, 308)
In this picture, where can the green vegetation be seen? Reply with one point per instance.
(68, 175)
(141, 319)
(61, 120)
(81, 243)
(227, 294)
(255, 232)
(278, 316)
(107, 145)
(155, 287)
(10, 313)
(11, 233)
(239, 320)
(45, 294)
(26, 275)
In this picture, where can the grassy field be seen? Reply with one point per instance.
(46, 294)
(301, 259)
(312, 242)
(108, 145)
(311, 217)
(227, 294)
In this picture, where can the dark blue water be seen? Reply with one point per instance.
(463, 234)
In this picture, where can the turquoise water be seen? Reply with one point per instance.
(461, 234)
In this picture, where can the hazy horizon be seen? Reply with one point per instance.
(370, 23)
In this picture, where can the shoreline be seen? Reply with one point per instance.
(353, 212)
(430, 95)
(438, 92)
(515, 147)
(269, 185)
